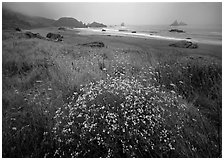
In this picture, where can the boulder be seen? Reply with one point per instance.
(133, 32)
(33, 35)
(184, 44)
(18, 29)
(177, 30)
(103, 30)
(30, 35)
(94, 44)
(54, 36)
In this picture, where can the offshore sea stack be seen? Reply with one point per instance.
(175, 23)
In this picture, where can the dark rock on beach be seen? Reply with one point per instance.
(122, 30)
(103, 30)
(133, 32)
(177, 30)
(94, 44)
(62, 28)
(185, 44)
(153, 32)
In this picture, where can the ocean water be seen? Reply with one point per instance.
(200, 34)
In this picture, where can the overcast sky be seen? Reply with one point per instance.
(130, 13)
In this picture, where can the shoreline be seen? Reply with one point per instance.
(111, 32)
(74, 37)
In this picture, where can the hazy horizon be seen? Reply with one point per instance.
(144, 13)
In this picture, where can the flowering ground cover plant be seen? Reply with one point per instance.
(119, 117)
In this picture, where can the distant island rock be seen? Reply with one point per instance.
(69, 22)
(122, 24)
(96, 24)
(175, 23)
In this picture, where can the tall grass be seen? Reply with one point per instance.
(199, 81)
(61, 100)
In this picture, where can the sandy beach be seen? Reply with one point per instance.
(79, 36)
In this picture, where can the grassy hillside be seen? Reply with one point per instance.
(11, 20)
(61, 99)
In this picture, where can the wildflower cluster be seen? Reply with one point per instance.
(118, 117)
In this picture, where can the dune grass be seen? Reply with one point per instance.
(61, 100)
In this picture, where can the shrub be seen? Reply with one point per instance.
(119, 117)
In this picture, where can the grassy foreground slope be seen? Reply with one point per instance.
(67, 100)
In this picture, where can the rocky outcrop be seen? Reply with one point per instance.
(96, 24)
(94, 44)
(184, 44)
(54, 37)
(69, 22)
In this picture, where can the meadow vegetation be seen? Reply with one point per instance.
(63, 100)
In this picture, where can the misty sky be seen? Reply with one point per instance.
(130, 13)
